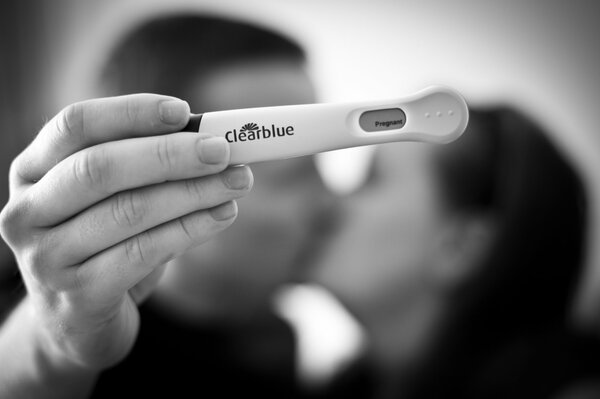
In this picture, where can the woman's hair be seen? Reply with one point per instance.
(506, 334)
(162, 55)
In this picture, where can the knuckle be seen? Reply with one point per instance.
(165, 152)
(195, 188)
(70, 122)
(129, 209)
(36, 260)
(139, 249)
(8, 218)
(132, 110)
(82, 282)
(17, 167)
(11, 219)
(92, 169)
(187, 229)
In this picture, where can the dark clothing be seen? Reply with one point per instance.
(175, 359)
(544, 366)
(540, 367)
(537, 366)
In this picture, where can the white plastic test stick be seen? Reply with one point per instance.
(436, 114)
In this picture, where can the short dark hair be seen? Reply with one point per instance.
(160, 55)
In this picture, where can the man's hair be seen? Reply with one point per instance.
(163, 54)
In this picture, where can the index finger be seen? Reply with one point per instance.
(92, 122)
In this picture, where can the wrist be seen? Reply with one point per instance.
(52, 363)
(33, 368)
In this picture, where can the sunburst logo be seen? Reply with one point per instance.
(249, 127)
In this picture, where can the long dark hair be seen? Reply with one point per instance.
(507, 334)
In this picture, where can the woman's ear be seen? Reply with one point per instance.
(461, 247)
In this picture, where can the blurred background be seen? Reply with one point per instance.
(541, 56)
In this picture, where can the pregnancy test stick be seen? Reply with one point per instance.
(436, 114)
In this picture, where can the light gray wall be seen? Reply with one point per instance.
(542, 55)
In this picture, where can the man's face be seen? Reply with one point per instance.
(242, 266)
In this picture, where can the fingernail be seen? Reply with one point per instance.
(173, 112)
(212, 150)
(238, 177)
(224, 211)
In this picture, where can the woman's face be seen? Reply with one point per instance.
(382, 255)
